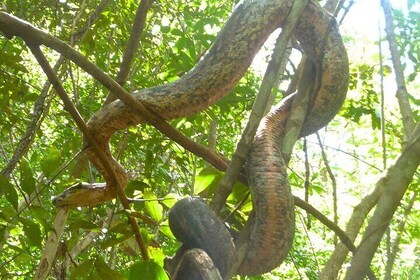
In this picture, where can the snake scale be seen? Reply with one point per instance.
(272, 226)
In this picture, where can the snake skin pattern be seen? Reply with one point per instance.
(272, 227)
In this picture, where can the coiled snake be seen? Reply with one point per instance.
(272, 225)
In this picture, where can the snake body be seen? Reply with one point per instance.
(272, 227)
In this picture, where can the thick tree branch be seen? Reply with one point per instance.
(402, 94)
(51, 245)
(306, 87)
(395, 182)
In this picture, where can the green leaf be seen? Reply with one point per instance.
(147, 270)
(9, 192)
(170, 199)
(165, 29)
(177, 32)
(51, 161)
(165, 229)
(239, 192)
(205, 179)
(318, 188)
(145, 235)
(2, 231)
(40, 214)
(153, 207)
(136, 186)
(112, 240)
(82, 224)
(27, 180)
(32, 232)
(82, 271)
(105, 272)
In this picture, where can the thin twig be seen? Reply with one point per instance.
(132, 45)
(333, 181)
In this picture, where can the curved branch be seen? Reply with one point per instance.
(36, 51)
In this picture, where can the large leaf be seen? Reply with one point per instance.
(27, 180)
(9, 192)
(165, 229)
(208, 177)
(51, 161)
(105, 272)
(153, 207)
(82, 271)
(147, 270)
(32, 231)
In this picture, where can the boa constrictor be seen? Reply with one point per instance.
(272, 226)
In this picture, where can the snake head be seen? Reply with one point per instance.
(84, 194)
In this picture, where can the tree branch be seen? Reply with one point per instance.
(402, 94)
(132, 46)
(258, 109)
(51, 245)
(400, 231)
(395, 182)
(36, 51)
(12, 26)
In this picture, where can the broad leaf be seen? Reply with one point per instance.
(147, 270)
(153, 207)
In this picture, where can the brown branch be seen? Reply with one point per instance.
(36, 51)
(395, 182)
(306, 86)
(90, 21)
(333, 180)
(132, 46)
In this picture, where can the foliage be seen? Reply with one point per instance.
(176, 36)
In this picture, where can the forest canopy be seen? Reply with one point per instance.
(65, 64)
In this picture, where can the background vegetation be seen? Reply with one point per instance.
(335, 171)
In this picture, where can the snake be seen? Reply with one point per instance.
(272, 224)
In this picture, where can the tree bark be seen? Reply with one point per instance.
(402, 94)
(395, 182)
